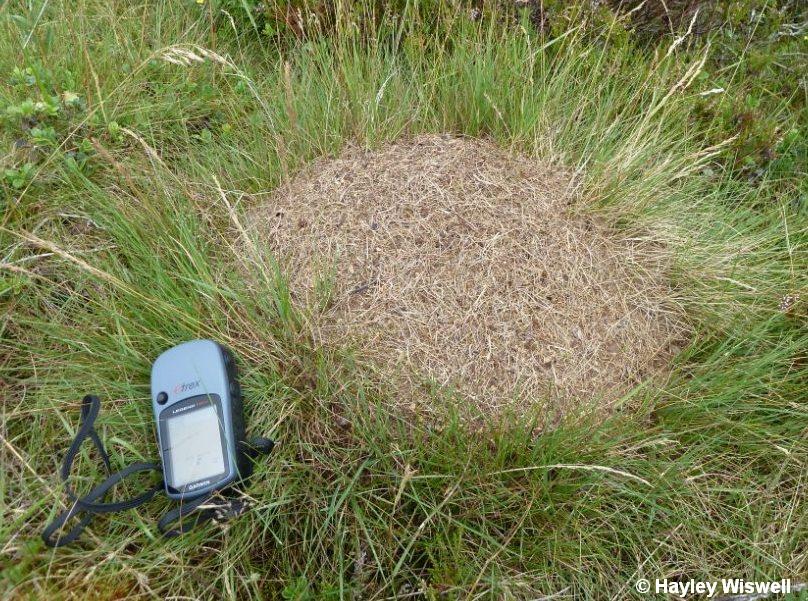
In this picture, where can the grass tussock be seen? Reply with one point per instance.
(148, 134)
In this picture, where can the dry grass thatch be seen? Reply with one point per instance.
(457, 261)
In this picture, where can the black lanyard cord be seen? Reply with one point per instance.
(90, 407)
(89, 504)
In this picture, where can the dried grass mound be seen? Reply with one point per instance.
(467, 266)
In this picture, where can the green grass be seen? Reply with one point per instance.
(117, 243)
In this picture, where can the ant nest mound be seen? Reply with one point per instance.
(449, 261)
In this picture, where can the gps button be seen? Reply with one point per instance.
(162, 397)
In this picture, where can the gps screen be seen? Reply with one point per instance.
(194, 444)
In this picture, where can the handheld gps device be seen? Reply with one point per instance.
(196, 400)
(197, 407)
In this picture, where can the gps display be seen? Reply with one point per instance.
(193, 449)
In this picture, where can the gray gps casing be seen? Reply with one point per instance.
(193, 375)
